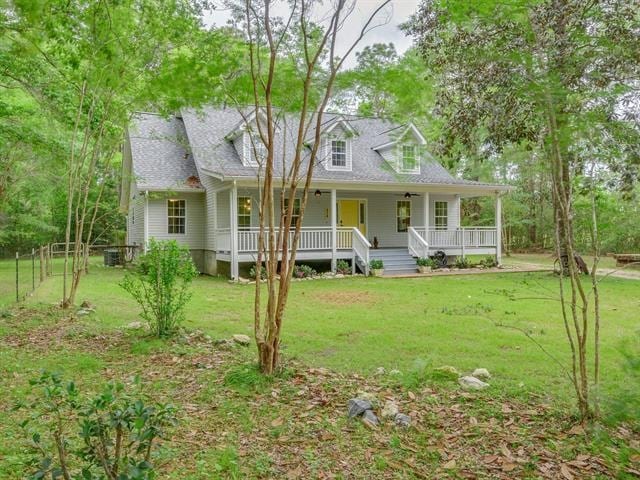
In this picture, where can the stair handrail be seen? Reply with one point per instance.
(360, 248)
(418, 246)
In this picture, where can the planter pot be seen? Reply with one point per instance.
(424, 269)
(377, 272)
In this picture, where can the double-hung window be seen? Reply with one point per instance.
(176, 217)
(441, 215)
(244, 213)
(409, 158)
(403, 215)
(339, 153)
(295, 214)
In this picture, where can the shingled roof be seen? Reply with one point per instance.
(167, 152)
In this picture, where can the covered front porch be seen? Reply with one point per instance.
(348, 223)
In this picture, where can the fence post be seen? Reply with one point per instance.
(41, 251)
(17, 278)
(33, 270)
(49, 265)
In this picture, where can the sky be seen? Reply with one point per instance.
(392, 16)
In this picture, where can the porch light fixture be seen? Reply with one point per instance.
(407, 195)
(317, 193)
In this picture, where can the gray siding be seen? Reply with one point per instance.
(210, 209)
(194, 237)
(380, 211)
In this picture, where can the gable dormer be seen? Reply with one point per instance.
(337, 139)
(246, 139)
(405, 151)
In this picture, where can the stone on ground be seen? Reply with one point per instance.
(380, 371)
(357, 406)
(390, 409)
(369, 418)
(448, 372)
(481, 373)
(402, 420)
(134, 326)
(472, 383)
(370, 397)
(241, 339)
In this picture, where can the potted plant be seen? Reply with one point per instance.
(376, 267)
(425, 264)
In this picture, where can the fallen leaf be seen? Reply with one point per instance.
(576, 430)
(508, 466)
(412, 395)
(450, 464)
(566, 472)
(277, 422)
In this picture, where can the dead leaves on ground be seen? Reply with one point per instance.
(299, 420)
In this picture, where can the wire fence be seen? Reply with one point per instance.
(33, 268)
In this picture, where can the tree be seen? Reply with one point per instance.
(549, 78)
(304, 53)
(90, 65)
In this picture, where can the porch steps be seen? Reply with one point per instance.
(397, 261)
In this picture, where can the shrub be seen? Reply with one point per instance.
(160, 285)
(426, 262)
(462, 262)
(342, 266)
(303, 271)
(376, 264)
(489, 262)
(109, 436)
(253, 275)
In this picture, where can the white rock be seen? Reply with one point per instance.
(380, 371)
(241, 339)
(472, 383)
(390, 409)
(481, 373)
(395, 372)
(134, 325)
(370, 397)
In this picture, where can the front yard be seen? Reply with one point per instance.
(237, 425)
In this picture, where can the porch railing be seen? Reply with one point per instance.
(460, 237)
(361, 248)
(311, 238)
(418, 246)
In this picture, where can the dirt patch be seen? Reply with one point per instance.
(341, 298)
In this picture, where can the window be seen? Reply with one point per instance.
(176, 216)
(244, 213)
(339, 153)
(409, 163)
(295, 215)
(403, 215)
(257, 148)
(441, 215)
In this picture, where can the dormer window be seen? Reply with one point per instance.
(258, 149)
(409, 160)
(339, 153)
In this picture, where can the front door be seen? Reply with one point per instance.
(351, 213)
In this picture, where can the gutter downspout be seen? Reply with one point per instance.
(145, 234)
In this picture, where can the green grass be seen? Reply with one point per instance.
(357, 325)
(236, 423)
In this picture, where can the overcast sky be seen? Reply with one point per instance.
(395, 14)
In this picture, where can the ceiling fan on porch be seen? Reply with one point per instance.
(408, 194)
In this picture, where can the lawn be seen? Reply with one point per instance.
(349, 326)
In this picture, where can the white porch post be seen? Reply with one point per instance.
(425, 208)
(145, 231)
(334, 231)
(498, 228)
(233, 204)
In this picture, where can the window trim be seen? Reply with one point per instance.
(250, 215)
(408, 201)
(329, 154)
(436, 216)
(176, 216)
(416, 159)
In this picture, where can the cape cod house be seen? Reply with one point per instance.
(376, 191)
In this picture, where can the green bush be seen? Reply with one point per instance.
(376, 264)
(462, 262)
(303, 271)
(111, 435)
(254, 276)
(342, 266)
(489, 262)
(426, 262)
(160, 285)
